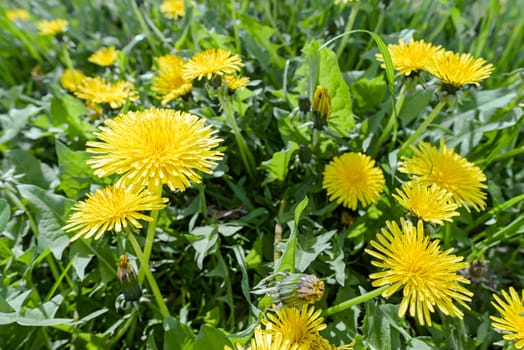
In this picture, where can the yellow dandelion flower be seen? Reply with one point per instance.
(52, 27)
(113, 208)
(104, 57)
(263, 340)
(71, 79)
(169, 83)
(427, 276)
(299, 326)
(411, 58)
(449, 171)
(428, 203)
(456, 70)
(172, 8)
(98, 90)
(155, 147)
(235, 82)
(353, 178)
(15, 14)
(511, 320)
(211, 63)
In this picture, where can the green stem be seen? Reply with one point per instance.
(150, 236)
(144, 29)
(354, 301)
(245, 153)
(349, 26)
(392, 123)
(144, 266)
(422, 127)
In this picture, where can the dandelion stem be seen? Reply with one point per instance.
(354, 301)
(349, 25)
(245, 153)
(144, 266)
(150, 237)
(422, 127)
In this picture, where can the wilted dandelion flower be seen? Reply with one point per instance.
(168, 83)
(15, 14)
(113, 208)
(71, 79)
(428, 203)
(172, 8)
(52, 27)
(128, 278)
(155, 147)
(235, 82)
(211, 63)
(411, 58)
(98, 90)
(353, 178)
(427, 276)
(511, 318)
(448, 170)
(104, 57)
(456, 70)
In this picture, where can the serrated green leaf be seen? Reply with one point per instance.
(76, 176)
(49, 211)
(35, 171)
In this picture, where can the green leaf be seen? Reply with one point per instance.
(278, 166)
(68, 110)
(330, 77)
(257, 41)
(310, 247)
(203, 241)
(76, 176)
(5, 214)
(35, 171)
(299, 209)
(287, 260)
(14, 121)
(177, 336)
(210, 338)
(49, 210)
(368, 94)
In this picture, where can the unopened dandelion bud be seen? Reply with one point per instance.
(321, 107)
(128, 278)
(304, 104)
(291, 290)
(305, 154)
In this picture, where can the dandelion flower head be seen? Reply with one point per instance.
(104, 57)
(299, 326)
(456, 70)
(511, 320)
(52, 27)
(353, 178)
(71, 79)
(428, 203)
(211, 63)
(15, 14)
(235, 82)
(169, 83)
(449, 171)
(98, 90)
(172, 8)
(155, 147)
(113, 208)
(411, 58)
(427, 276)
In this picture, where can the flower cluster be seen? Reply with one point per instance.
(452, 69)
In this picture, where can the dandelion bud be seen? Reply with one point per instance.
(127, 275)
(291, 290)
(304, 104)
(304, 154)
(321, 107)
